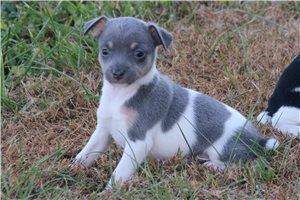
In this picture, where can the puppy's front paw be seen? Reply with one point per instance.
(82, 160)
(75, 163)
(215, 166)
(105, 191)
(289, 129)
(264, 118)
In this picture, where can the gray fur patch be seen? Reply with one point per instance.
(177, 107)
(159, 100)
(210, 117)
(151, 103)
(244, 145)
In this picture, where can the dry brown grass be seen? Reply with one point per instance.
(255, 50)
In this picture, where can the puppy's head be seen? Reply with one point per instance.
(127, 46)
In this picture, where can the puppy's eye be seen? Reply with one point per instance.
(105, 52)
(139, 54)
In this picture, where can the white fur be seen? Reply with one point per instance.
(297, 89)
(272, 144)
(220, 166)
(98, 143)
(264, 118)
(287, 120)
(134, 154)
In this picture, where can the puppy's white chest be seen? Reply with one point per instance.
(115, 121)
(116, 116)
(118, 131)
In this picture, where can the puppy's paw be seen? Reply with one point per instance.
(105, 191)
(288, 129)
(75, 163)
(81, 160)
(215, 166)
(264, 118)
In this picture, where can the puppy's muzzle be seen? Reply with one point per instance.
(118, 74)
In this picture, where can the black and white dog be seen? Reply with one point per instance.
(149, 115)
(283, 109)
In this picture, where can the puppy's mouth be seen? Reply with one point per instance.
(119, 80)
(125, 79)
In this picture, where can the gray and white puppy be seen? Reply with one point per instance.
(151, 116)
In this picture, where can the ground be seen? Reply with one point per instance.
(51, 81)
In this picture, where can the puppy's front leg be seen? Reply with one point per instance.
(134, 154)
(97, 144)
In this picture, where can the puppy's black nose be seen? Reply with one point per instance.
(118, 74)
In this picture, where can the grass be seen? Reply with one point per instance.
(51, 81)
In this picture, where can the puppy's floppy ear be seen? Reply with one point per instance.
(96, 26)
(159, 35)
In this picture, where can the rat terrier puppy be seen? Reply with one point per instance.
(149, 115)
(283, 109)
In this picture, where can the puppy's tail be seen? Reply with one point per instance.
(270, 143)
